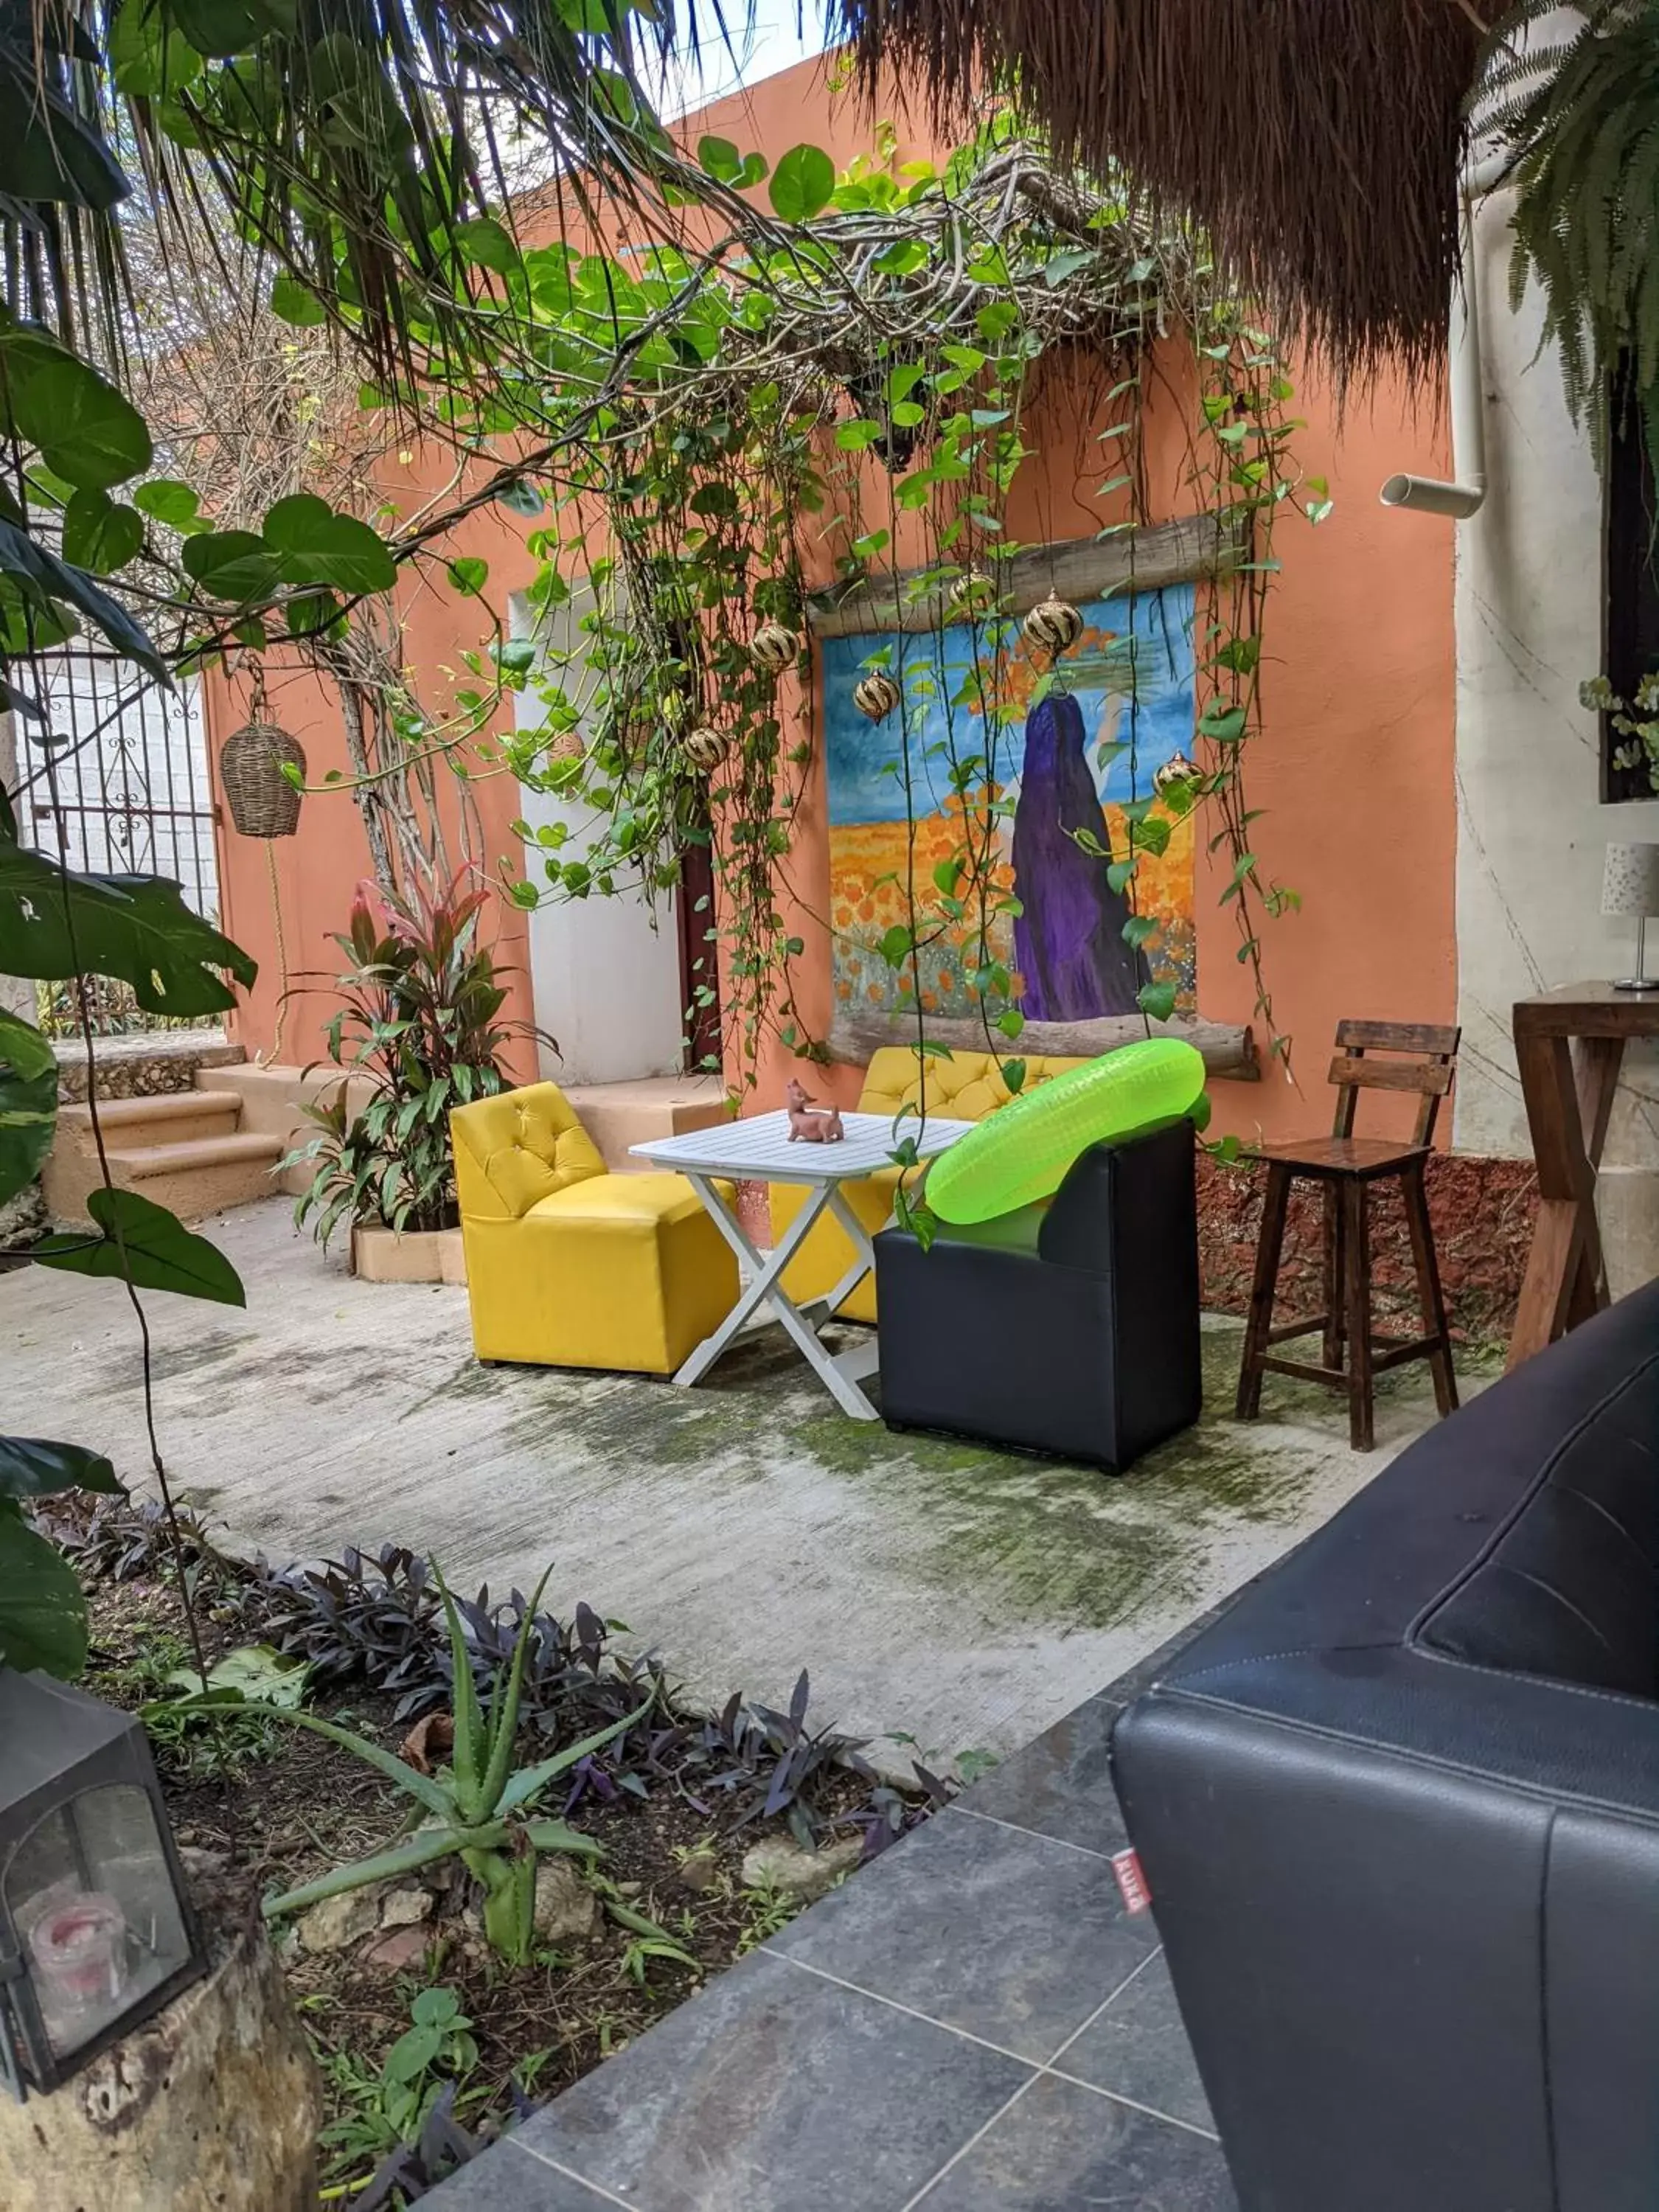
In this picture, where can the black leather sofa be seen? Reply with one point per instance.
(1072, 1329)
(1399, 1814)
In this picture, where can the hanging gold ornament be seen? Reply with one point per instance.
(973, 592)
(1053, 624)
(1176, 770)
(876, 695)
(705, 747)
(774, 647)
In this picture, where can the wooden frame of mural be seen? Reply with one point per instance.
(1122, 704)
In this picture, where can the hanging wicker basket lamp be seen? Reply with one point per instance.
(263, 802)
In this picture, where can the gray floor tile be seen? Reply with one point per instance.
(507, 2179)
(1061, 2148)
(775, 2091)
(1060, 1784)
(1138, 2048)
(1008, 1936)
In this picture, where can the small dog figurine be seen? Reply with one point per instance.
(812, 1128)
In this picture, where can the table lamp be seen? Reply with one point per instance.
(1630, 884)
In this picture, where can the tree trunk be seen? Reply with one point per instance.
(1229, 1049)
(213, 2106)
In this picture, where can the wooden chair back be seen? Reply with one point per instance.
(1415, 1057)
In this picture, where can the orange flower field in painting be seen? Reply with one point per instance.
(872, 863)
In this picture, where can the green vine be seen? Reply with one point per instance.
(867, 385)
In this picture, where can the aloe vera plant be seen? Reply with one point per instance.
(482, 1809)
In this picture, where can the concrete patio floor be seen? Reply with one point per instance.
(745, 1529)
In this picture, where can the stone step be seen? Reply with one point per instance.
(192, 1177)
(174, 1117)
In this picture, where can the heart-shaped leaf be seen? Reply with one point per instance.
(143, 1242)
(88, 432)
(36, 1466)
(28, 1107)
(43, 1614)
(314, 545)
(101, 533)
(802, 184)
(55, 923)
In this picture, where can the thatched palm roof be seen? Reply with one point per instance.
(1317, 141)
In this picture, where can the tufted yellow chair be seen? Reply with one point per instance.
(570, 1266)
(963, 1087)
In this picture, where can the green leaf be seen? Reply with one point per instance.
(555, 1836)
(296, 304)
(55, 923)
(99, 534)
(488, 243)
(167, 500)
(28, 1105)
(20, 556)
(802, 184)
(88, 432)
(43, 1613)
(528, 1783)
(232, 564)
(314, 545)
(429, 1844)
(48, 152)
(35, 1467)
(468, 573)
(220, 28)
(143, 1241)
(1119, 873)
(896, 944)
(719, 158)
(1157, 1000)
(521, 497)
(250, 1671)
(1139, 928)
(147, 56)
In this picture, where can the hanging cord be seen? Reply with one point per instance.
(276, 1052)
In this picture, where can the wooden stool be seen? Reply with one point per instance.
(1346, 1166)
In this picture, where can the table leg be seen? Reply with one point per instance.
(1567, 1112)
(764, 1289)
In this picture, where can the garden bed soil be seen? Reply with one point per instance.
(299, 1805)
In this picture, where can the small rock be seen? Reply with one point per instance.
(779, 1864)
(405, 1907)
(566, 1910)
(398, 1952)
(202, 1865)
(698, 1870)
(335, 1921)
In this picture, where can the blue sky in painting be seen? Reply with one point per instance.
(863, 788)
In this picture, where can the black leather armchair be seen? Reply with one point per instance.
(1072, 1329)
(1398, 1813)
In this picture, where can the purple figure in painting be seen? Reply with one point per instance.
(1068, 942)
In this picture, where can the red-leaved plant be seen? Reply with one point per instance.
(418, 1023)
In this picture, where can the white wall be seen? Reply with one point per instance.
(1531, 829)
(605, 972)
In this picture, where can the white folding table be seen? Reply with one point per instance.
(760, 1150)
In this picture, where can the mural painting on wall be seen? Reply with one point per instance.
(1063, 769)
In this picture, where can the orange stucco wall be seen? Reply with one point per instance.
(1353, 772)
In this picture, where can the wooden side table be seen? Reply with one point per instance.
(1569, 1044)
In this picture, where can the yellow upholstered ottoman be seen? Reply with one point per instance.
(569, 1266)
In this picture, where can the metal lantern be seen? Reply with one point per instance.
(705, 747)
(1176, 770)
(96, 1931)
(263, 802)
(876, 695)
(1054, 624)
(774, 647)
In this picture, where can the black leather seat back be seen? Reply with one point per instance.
(1569, 1587)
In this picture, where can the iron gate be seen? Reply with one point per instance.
(126, 790)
